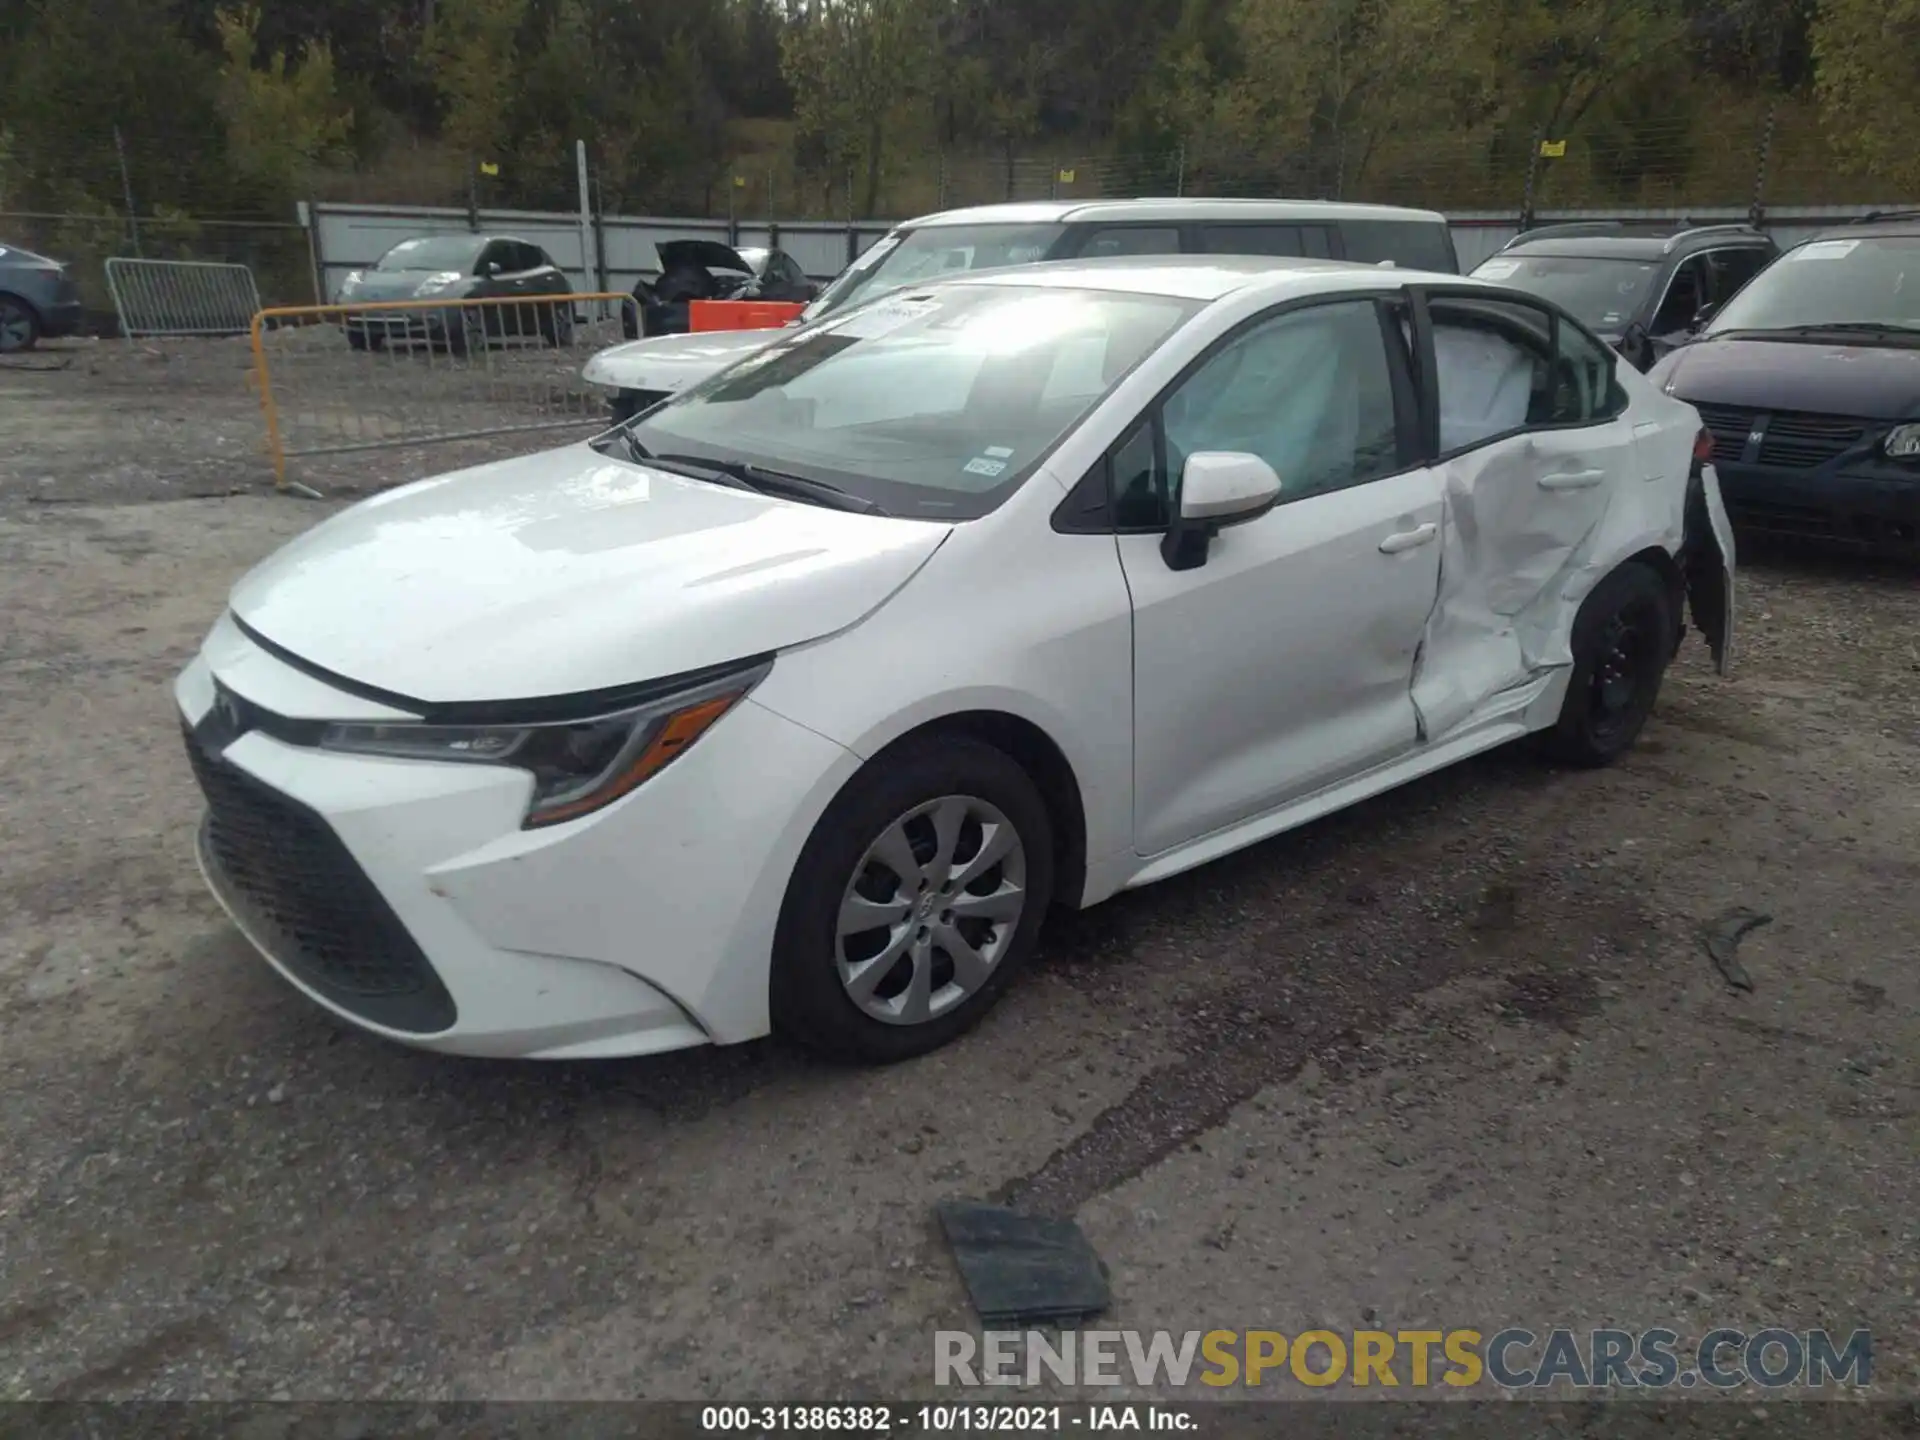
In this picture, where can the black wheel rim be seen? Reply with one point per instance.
(16, 327)
(1619, 669)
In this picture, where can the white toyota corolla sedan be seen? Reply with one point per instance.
(795, 703)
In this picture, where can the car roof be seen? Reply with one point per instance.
(1208, 278)
(1872, 226)
(1636, 245)
(1169, 210)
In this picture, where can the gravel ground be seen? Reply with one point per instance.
(1454, 1058)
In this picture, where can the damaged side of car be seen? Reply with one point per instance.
(1571, 487)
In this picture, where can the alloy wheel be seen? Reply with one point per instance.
(931, 910)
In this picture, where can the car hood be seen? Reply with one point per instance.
(670, 363)
(567, 572)
(387, 284)
(1869, 382)
(708, 254)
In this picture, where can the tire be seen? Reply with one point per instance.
(462, 330)
(556, 326)
(1622, 641)
(901, 797)
(19, 325)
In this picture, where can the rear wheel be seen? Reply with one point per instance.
(917, 898)
(1622, 641)
(19, 325)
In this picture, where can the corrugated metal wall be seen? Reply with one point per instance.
(350, 237)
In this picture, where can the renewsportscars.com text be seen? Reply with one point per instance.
(1514, 1359)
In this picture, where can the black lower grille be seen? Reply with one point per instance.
(301, 892)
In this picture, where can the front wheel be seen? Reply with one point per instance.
(1622, 641)
(915, 901)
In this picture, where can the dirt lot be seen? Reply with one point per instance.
(1456, 1058)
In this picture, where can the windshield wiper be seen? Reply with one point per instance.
(767, 482)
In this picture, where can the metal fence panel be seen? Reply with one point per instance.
(181, 297)
(339, 378)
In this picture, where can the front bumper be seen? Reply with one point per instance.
(405, 897)
(1862, 506)
(63, 317)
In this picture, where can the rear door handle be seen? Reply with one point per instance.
(1408, 539)
(1572, 479)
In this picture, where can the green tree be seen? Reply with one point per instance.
(1867, 53)
(855, 66)
(283, 118)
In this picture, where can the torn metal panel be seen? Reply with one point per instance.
(1531, 523)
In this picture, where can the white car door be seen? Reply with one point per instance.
(1534, 445)
(1283, 663)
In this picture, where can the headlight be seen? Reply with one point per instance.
(439, 284)
(578, 766)
(1902, 442)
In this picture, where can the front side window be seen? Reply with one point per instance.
(1686, 293)
(1872, 282)
(1309, 392)
(1731, 269)
(934, 402)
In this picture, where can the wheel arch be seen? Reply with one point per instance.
(1657, 559)
(1036, 752)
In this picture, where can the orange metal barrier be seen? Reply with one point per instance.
(706, 315)
(384, 374)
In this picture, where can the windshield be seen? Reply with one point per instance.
(934, 404)
(914, 257)
(439, 252)
(1603, 295)
(1832, 282)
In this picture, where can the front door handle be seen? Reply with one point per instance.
(1572, 479)
(1408, 539)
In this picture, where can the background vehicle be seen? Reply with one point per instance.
(1809, 380)
(707, 270)
(458, 267)
(38, 299)
(799, 700)
(1642, 293)
(991, 236)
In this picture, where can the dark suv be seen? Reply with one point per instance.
(1642, 291)
(1809, 380)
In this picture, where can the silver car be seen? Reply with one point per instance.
(38, 299)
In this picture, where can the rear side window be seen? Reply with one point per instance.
(1409, 244)
(1132, 240)
(1309, 240)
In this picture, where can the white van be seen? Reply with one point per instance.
(641, 373)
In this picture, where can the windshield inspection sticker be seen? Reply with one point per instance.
(983, 466)
(998, 452)
(883, 317)
(1825, 250)
(1496, 269)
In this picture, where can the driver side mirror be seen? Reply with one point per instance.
(489, 269)
(1218, 488)
(1703, 314)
